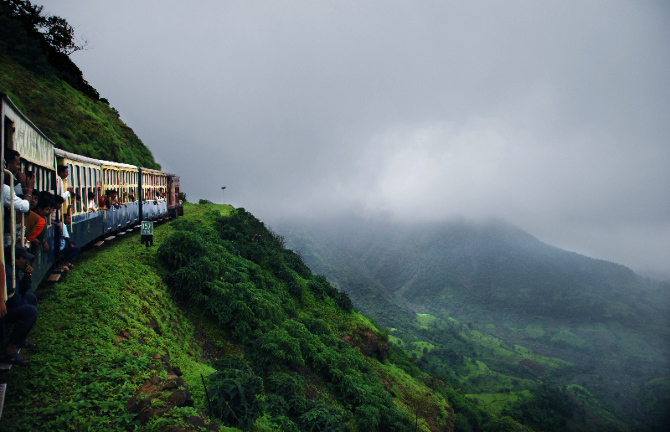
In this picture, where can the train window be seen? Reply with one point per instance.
(96, 174)
(78, 184)
(87, 187)
(9, 133)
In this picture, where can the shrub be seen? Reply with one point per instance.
(330, 290)
(322, 418)
(235, 391)
(295, 262)
(295, 288)
(316, 326)
(344, 302)
(204, 201)
(274, 349)
(317, 289)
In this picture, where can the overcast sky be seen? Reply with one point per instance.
(552, 115)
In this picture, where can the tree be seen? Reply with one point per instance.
(55, 31)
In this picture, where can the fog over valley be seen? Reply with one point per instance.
(552, 116)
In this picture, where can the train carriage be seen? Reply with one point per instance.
(37, 156)
(85, 178)
(153, 187)
(123, 178)
(144, 194)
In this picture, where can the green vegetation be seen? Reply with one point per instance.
(101, 334)
(274, 358)
(239, 271)
(511, 321)
(48, 88)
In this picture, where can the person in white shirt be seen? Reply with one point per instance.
(25, 185)
(63, 173)
(92, 202)
(13, 160)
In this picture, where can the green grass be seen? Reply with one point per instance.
(85, 369)
(497, 402)
(425, 320)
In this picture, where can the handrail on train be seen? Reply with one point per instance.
(12, 222)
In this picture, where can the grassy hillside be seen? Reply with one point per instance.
(276, 345)
(512, 321)
(74, 121)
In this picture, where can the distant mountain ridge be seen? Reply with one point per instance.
(494, 264)
(493, 277)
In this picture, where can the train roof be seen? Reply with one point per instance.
(153, 171)
(74, 156)
(117, 164)
(30, 141)
(8, 101)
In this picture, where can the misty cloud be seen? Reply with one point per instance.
(554, 116)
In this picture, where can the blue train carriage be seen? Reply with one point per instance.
(124, 179)
(85, 178)
(153, 199)
(37, 155)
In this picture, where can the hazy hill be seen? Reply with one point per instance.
(76, 120)
(610, 323)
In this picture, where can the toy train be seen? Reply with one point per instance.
(143, 193)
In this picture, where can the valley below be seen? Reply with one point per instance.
(555, 339)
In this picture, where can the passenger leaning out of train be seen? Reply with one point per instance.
(101, 201)
(115, 198)
(56, 203)
(36, 234)
(25, 183)
(68, 250)
(23, 186)
(112, 199)
(92, 205)
(20, 307)
(32, 219)
(63, 173)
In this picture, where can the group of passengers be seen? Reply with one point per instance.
(34, 211)
(107, 201)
